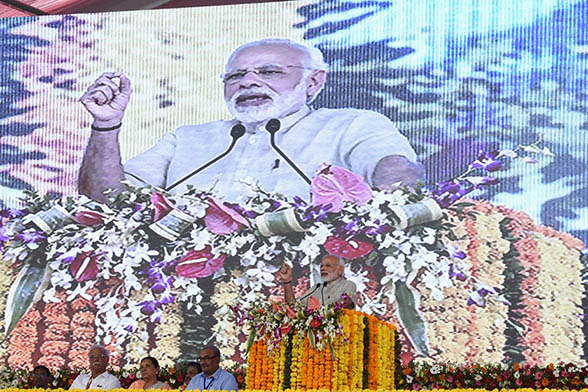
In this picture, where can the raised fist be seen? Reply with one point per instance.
(106, 100)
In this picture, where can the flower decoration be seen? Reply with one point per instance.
(334, 185)
(199, 263)
(161, 206)
(221, 219)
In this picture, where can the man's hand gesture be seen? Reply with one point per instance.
(107, 100)
(285, 274)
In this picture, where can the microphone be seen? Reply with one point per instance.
(272, 127)
(236, 132)
(313, 290)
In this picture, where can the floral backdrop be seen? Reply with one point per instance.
(490, 77)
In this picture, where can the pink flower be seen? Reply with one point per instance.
(286, 328)
(313, 303)
(161, 204)
(350, 250)
(334, 185)
(84, 267)
(314, 323)
(221, 219)
(199, 263)
(89, 218)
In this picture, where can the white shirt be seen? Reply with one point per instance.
(350, 138)
(102, 381)
(331, 292)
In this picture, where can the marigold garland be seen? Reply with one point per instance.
(306, 368)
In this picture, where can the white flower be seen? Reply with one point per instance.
(141, 252)
(395, 269)
(359, 278)
(80, 289)
(61, 278)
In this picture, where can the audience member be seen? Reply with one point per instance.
(98, 378)
(192, 369)
(212, 377)
(41, 377)
(149, 376)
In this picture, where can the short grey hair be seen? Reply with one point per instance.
(314, 57)
(215, 350)
(101, 348)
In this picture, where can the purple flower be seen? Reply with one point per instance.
(456, 253)
(448, 192)
(299, 203)
(478, 297)
(11, 213)
(30, 236)
(456, 274)
(316, 214)
(488, 161)
(138, 207)
(161, 285)
(3, 236)
(148, 307)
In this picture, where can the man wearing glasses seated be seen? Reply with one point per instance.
(98, 378)
(212, 377)
(271, 79)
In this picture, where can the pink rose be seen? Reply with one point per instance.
(89, 218)
(162, 206)
(350, 250)
(84, 267)
(199, 263)
(335, 185)
(221, 219)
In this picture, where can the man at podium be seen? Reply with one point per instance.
(333, 288)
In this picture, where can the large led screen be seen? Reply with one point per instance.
(454, 77)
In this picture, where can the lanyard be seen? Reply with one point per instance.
(209, 384)
(89, 382)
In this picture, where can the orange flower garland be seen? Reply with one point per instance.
(318, 370)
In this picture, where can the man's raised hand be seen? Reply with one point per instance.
(106, 100)
(285, 273)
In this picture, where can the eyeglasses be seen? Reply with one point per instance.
(266, 72)
(206, 358)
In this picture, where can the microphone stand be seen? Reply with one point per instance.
(272, 127)
(236, 132)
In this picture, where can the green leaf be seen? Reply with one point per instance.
(27, 289)
(410, 317)
(311, 339)
(331, 348)
(251, 339)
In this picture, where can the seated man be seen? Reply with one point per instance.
(332, 288)
(272, 80)
(213, 377)
(192, 369)
(41, 377)
(98, 378)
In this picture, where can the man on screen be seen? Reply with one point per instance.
(272, 79)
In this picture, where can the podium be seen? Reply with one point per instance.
(363, 357)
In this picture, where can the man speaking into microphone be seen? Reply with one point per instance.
(276, 138)
(334, 286)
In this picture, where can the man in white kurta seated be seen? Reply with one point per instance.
(98, 378)
(333, 288)
(271, 79)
